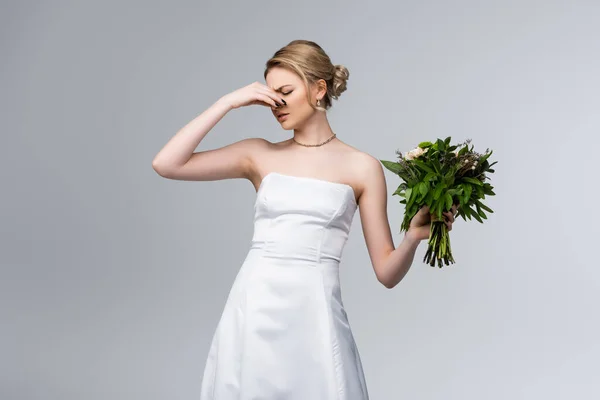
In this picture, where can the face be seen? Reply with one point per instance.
(291, 88)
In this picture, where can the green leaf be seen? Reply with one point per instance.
(485, 157)
(475, 215)
(429, 198)
(413, 195)
(486, 208)
(436, 165)
(438, 190)
(392, 166)
(423, 166)
(472, 180)
(448, 201)
(466, 211)
(480, 212)
(440, 145)
(480, 192)
(429, 177)
(407, 194)
(468, 191)
(424, 145)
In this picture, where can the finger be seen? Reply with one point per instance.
(267, 100)
(277, 102)
(267, 92)
(272, 94)
(455, 209)
(276, 96)
(450, 216)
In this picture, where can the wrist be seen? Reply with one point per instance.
(224, 102)
(411, 237)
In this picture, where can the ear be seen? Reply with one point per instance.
(320, 88)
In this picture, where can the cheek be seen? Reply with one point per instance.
(295, 99)
(298, 104)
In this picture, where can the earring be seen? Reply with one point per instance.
(318, 102)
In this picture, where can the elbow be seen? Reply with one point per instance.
(386, 282)
(388, 285)
(159, 169)
(382, 277)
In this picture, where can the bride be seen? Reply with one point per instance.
(284, 332)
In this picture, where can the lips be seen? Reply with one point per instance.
(282, 115)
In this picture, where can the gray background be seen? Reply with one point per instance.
(113, 278)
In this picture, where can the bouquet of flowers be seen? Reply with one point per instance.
(440, 175)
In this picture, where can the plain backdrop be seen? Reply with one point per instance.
(113, 278)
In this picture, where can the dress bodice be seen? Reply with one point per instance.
(302, 218)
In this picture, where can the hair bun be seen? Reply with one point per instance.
(340, 77)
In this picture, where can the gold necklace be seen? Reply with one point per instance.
(314, 145)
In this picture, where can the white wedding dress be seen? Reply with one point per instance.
(284, 333)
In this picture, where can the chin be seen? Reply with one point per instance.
(286, 125)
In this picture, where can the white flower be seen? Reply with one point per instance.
(414, 153)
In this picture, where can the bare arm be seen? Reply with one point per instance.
(390, 264)
(176, 160)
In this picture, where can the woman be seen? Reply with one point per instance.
(284, 333)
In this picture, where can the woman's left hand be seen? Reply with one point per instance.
(420, 225)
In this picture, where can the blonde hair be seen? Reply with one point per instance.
(310, 62)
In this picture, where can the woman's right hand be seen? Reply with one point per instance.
(255, 93)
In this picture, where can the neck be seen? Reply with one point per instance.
(315, 131)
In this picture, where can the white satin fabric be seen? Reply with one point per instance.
(284, 333)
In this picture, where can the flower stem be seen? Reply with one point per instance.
(438, 248)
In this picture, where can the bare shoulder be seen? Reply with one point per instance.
(369, 173)
(257, 142)
(257, 146)
(260, 147)
(370, 166)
